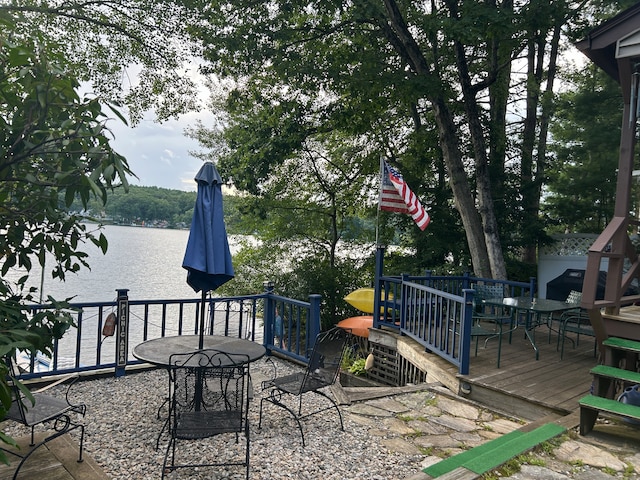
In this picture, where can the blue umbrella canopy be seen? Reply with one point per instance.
(207, 257)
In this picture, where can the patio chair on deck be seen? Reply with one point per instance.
(322, 371)
(37, 408)
(489, 321)
(209, 397)
(574, 321)
(556, 318)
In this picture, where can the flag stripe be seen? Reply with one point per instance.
(396, 196)
(391, 201)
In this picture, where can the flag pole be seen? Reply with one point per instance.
(380, 174)
(379, 261)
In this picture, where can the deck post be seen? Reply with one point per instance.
(269, 311)
(465, 334)
(313, 326)
(379, 269)
(404, 301)
(122, 335)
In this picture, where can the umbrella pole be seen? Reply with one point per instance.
(198, 386)
(201, 339)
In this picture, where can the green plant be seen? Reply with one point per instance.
(54, 149)
(540, 462)
(506, 470)
(427, 451)
(629, 471)
(347, 359)
(431, 402)
(547, 447)
(357, 367)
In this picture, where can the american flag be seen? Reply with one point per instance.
(396, 196)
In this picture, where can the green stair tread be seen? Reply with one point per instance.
(496, 457)
(610, 406)
(449, 464)
(618, 373)
(491, 454)
(622, 344)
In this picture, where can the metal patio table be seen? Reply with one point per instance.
(533, 308)
(158, 351)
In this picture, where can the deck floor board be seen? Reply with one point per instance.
(549, 381)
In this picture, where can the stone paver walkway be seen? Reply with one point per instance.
(436, 424)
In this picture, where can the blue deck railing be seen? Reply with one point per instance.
(436, 311)
(84, 348)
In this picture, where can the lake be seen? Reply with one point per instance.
(146, 261)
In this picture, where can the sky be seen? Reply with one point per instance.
(158, 153)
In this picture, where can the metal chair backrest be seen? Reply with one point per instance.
(485, 292)
(574, 297)
(209, 393)
(325, 360)
(209, 396)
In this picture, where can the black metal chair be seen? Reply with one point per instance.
(574, 321)
(37, 408)
(322, 371)
(209, 393)
(556, 318)
(489, 321)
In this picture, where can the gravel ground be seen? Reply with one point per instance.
(122, 429)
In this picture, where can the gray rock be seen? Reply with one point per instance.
(455, 423)
(535, 472)
(572, 451)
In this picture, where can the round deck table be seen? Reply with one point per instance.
(159, 350)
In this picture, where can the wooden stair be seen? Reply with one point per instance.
(604, 380)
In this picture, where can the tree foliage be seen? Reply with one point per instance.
(135, 53)
(53, 148)
(458, 94)
(586, 142)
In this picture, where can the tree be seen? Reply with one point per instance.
(53, 146)
(305, 213)
(586, 139)
(134, 53)
(403, 76)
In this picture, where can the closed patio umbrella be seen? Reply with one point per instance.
(207, 258)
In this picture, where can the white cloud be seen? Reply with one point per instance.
(159, 153)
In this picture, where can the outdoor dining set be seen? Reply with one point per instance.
(496, 316)
(210, 390)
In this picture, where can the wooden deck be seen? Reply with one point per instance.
(527, 387)
(523, 386)
(57, 460)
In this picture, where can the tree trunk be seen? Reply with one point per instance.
(483, 180)
(402, 40)
(461, 192)
(500, 51)
(536, 127)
